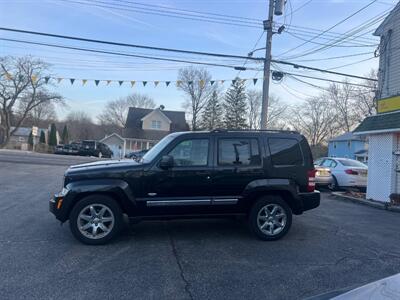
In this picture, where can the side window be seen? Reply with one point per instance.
(333, 164)
(327, 163)
(238, 152)
(190, 153)
(285, 152)
(318, 162)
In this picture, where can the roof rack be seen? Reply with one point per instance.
(255, 130)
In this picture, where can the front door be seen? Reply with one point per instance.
(186, 186)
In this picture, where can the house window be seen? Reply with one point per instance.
(155, 124)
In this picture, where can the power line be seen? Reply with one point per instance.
(351, 64)
(300, 7)
(165, 13)
(330, 28)
(254, 47)
(334, 57)
(123, 54)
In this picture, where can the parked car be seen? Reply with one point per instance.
(72, 149)
(59, 149)
(323, 176)
(95, 148)
(264, 175)
(346, 173)
(136, 155)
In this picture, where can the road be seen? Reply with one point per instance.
(335, 246)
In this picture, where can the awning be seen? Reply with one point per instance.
(381, 123)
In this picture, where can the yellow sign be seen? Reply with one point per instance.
(389, 104)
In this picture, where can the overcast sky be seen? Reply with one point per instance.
(125, 23)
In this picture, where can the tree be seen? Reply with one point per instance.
(315, 119)
(42, 138)
(276, 110)
(53, 135)
(22, 85)
(42, 112)
(115, 112)
(235, 105)
(195, 83)
(80, 126)
(64, 135)
(366, 104)
(212, 113)
(30, 139)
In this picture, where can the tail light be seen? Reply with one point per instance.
(351, 172)
(311, 180)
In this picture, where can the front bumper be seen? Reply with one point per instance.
(59, 206)
(310, 200)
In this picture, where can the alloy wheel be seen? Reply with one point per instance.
(95, 221)
(271, 219)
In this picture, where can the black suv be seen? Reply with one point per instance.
(264, 175)
(94, 148)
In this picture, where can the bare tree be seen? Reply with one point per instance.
(115, 112)
(276, 110)
(366, 104)
(314, 118)
(22, 84)
(195, 83)
(45, 111)
(80, 126)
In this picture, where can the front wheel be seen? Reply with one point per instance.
(96, 219)
(270, 218)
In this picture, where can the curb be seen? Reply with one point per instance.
(371, 203)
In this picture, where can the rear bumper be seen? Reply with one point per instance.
(310, 200)
(323, 180)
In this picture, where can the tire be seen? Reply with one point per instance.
(334, 186)
(269, 230)
(96, 219)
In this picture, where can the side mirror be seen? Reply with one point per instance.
(166, 162)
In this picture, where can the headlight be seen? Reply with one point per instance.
(63, 192)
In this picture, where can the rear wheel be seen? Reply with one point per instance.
(270, 218)
(333, 186)
(96, 219)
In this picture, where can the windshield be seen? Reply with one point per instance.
(153, 152)
(351, 163)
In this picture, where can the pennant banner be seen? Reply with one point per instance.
(96, 82)
(132, 83)
(108, 82)
(72, 80)
(59, 79)
(156, 83)
(46, 79)
(84, 81)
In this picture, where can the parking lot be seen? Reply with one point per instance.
(336, 246)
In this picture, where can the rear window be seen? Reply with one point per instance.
(285, 152)
(351, 163)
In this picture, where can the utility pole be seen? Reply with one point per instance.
(268, 26)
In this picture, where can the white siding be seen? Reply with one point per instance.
(389, 75)
(381, 166)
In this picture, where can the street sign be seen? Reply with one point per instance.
(34, 130)
(389, 104)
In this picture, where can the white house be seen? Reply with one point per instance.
(383, 129)
(144, 128)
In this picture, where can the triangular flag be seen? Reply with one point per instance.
(190, 82)
(222, 81)
(46, 79)
(201, 83)
(96, 82)
(178, 83)
(72, 80)
(212, 82)
(234, 81)
(156, 83)
(167, 83)
(84, 81)
(59, 79)
(34, 78)
(244, 80)
(8, 76)
(133, 83)
(108, 82)
(120, 82)
(255, 81)
(144, 83)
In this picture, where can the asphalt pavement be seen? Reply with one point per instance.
(332, 247)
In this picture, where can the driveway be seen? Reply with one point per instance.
(335, 246)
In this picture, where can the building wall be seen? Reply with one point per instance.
(381, 166)
(165, 126)
(345, 149)
(389, 63)
(116, 145)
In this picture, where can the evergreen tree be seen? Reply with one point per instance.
(235, 105)
(53, 135)
(30, 139)
(212, 114)
(65, 135)
(42, 138)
